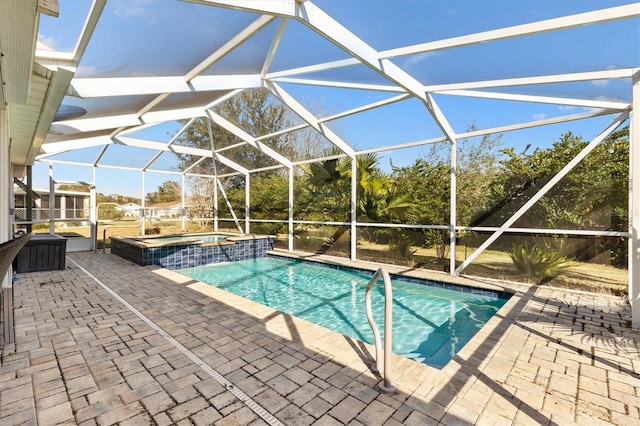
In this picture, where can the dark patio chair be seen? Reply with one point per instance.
(9, 250)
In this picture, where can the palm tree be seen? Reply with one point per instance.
(377, 200)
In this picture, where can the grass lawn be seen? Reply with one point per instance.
(592, 277)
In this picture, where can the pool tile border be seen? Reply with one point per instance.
(193, 253)
(486, 292)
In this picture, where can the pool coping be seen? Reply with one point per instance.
(147, 241)
(507, 289)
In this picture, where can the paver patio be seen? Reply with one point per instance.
(198, 355)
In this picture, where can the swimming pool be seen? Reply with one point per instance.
(430, 324)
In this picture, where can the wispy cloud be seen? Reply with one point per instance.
(46, 42)
(600, 83)
(130, 8)
(540, 116)
(566, 108)
(416, 59)
(85, 71)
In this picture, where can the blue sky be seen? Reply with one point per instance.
(139, 37)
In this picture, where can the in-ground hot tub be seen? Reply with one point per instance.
(189, 250)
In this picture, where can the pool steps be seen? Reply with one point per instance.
(386, 385)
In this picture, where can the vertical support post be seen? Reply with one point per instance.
(215, 204)
(183, 227)
(63, 206)
(6, 181)
(634, 206)
(93, 211)
(142, 215)
(453, 207)
(354, 206)
(12, 203)
(290, 238)
(93, 217)
(52, 201)
(29, 199)
(247, 202)
(6, 224)
(233, 213)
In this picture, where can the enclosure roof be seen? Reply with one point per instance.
(123, 76)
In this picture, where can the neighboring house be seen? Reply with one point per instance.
(166, 210)
(130, 209)
(69, 205)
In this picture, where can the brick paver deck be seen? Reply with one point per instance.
(82, 356)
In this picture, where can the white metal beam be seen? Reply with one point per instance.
(229, 46)
(274, 7)
(325, 66)
(95, 123)
(178, 149)
(52, 148)
(540, 99)
(634, 207)
(598, 16)
(307, 116)
(129, 86)
(493, 130)
(55, 93)
(336, 116)
(271, 53)
(332, 30)
(87, 30)
(224, 123)
(565, 22)
(169, 144)
(247, 203)
(290, 210)
(543, 79)
(124, 120)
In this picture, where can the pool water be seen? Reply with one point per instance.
(430, 324)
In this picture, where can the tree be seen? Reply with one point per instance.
(329, 183)
(107, 205)
(592, 196)
(201, 200)
(583, 199)
(254, 112)
(170, 190)
(429, 185)
(328, 191)
(428, 180)
(80, 187)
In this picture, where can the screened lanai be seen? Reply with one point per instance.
(448, 136)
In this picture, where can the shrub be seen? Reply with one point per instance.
(400, 247)
(542, 265)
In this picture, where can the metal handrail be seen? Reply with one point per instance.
(386, 384)
(106, 228)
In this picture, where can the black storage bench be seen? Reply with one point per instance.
(45, 252)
